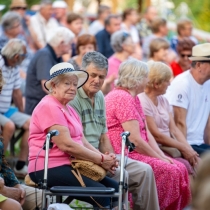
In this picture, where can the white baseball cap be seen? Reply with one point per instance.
(59, 4)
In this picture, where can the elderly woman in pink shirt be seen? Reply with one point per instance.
(124, 47)
(54, 113)
(159, 114)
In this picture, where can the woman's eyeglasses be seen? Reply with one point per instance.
(185, 55)
(19, 8)
(125, 36)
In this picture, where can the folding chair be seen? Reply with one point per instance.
(72, 192)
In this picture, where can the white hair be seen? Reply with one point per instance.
(58, 35)
(132, 73)
(13, 47)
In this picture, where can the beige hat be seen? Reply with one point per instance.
(18, 3)
(59, 4)
(201, 52)
(62, 68)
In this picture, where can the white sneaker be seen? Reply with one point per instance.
(22, 172)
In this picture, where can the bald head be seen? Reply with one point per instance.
(151, 13)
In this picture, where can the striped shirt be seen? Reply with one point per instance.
(12, 81)
(93, 118)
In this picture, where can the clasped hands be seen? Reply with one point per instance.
(110, 162)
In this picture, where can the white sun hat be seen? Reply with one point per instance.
(59, 4)
(201, 52)
(62, 68)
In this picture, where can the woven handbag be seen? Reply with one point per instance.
(89, 169)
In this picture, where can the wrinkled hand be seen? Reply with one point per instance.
(110, 162)
(22, 196)
(190, 155)
(12, 192)
(167, 159)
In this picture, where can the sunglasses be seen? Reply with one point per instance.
(186, 55)
(19, 8)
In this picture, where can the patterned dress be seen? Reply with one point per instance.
(171, 179)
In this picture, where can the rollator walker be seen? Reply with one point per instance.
(71, 192)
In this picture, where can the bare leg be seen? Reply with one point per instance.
(24, 142)
(7, 133)
(10, 204)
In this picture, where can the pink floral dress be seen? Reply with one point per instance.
(171, 179)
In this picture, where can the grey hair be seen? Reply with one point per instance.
(13, 47)
(9, 19)
(56, 80)
(131, 73)
(108, 19)
(43, 3)
(97, 59)
(58, 35)
(118, 38)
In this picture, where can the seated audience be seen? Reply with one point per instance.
(11, 28)
(184, 51)
(74, 23)
(59, 43)
(184, 30)
(98, 24)
(60, 8)
(143, 26)
(158, 49)
(189, 96)
(159, 30)
(12, 54)
(103, 37)
(85, 43)
(90, 100)
(42, 24)
(124, 113)
(159, 114)
(58, 115)
(123, 46)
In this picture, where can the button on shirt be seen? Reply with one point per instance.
(12, 81)
(42, 27)
(93, 118)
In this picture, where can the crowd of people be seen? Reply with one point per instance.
(93, 81)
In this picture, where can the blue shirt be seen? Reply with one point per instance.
(103, 39)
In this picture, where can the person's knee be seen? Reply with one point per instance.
(10, 204)
(26, 124)
(9, 127)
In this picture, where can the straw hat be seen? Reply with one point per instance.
(201, 52)
(18, 3)
(63, 68)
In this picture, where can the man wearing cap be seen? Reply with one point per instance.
(42, 24)
(89, 103)
(60, 11)
(189, 94)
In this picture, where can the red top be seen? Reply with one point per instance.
(176, 68)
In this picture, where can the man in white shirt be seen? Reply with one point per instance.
(42, 23)
(189, 94)
(98, 25)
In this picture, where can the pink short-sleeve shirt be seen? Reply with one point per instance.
(160, 113)
(47, 113)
